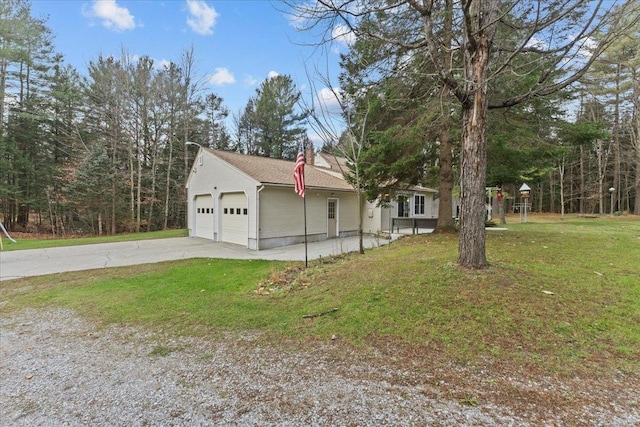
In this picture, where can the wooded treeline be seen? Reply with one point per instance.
(104, 151)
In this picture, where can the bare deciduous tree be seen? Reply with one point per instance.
(335, 120)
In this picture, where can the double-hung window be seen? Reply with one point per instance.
(418, 204)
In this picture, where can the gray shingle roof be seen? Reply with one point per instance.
(279, 172)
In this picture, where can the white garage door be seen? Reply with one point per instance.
(234, 225)
(204, 217)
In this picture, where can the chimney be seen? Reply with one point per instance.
(309, 156)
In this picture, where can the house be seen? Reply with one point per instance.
(250, 201)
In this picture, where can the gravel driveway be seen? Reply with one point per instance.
(60, 370)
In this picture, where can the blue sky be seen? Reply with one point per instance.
(237, 44)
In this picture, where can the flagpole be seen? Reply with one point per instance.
(299, 187)
(304, 201)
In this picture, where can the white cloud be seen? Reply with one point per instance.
(588, 46)
(343, 35)
(250, 81)
(317, 139)
(202, 17)
(222, 76)
(537, 43)
(113, 17)
(328, 100)
(272, 74)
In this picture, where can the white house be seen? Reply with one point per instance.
(250, 201)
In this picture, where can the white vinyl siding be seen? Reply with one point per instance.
(282, 212)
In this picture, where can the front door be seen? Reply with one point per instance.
(332, 218)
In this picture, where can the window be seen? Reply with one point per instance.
(331, 211)
(226, 211)
(208, 210)
(198, 210)
(403, 207)
(418, 204)
(244, 212)
(238, 211)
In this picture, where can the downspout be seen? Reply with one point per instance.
(258, 217)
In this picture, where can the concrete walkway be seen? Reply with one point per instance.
(37, 262)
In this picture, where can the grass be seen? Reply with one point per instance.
(26, 242)
(559, 296)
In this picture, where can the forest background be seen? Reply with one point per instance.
(104, 150)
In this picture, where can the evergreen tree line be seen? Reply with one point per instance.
(106, 151)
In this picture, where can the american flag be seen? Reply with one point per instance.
(298, 174)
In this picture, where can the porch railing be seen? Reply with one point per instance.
(413, 223)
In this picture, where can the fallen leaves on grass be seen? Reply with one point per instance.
(279, 280)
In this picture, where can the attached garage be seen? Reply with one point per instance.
(204, 217)
(250, 201)
(234, 224)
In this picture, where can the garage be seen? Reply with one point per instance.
(234, 226)
(204, 217)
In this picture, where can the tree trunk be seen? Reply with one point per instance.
(616, 141)
(561, 174)
(152, 199)
(582, 189)
(552, 193)
(471, 244)
(139, 187)
(636, 139)
(540, 196)
(360, 214)
(479, 30)
(132, 194)
(636, 208)
(445, 215)
(168, 186)
(3, 84)
(601, 172)
(445, 209)
(501, 209)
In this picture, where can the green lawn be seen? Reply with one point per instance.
(560, 296)
(39, 243)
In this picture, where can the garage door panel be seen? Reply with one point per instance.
(234, 223)
(204, 217)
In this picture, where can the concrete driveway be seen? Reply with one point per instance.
(37, 262)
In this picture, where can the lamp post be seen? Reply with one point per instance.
(611, 191)
(193, 143)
